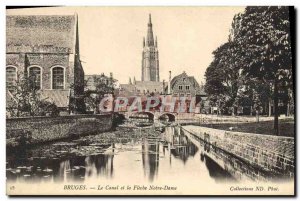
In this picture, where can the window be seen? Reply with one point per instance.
(11, 77)
(187, 87)
(36, 74)
(58, 78)
(180, 87)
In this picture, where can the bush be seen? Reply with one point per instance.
(48, 109)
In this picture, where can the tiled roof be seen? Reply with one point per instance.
(59, 97)
(192, 80)
(40, 33)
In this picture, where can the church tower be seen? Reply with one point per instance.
(150, 61)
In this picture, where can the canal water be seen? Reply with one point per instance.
(164, 156)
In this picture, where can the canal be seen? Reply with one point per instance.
(145, 154)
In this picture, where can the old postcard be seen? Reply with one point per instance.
(150, 101)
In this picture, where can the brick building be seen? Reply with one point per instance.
(183, 85)
(48, 48)
(186, 86)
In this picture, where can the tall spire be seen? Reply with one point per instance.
(150, 61)
(77, 35)
(150, 39)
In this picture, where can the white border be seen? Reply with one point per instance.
(3, 3)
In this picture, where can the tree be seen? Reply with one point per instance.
(223, 76)
(213, 86)
(103, 86)
(264, 36)
(26, 99)
(255, 93)
(77, 97)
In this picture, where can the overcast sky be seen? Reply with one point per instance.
(111, 38)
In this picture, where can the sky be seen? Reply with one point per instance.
(111, 38)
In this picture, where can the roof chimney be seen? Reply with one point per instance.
(169, 83)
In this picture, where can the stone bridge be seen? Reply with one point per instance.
(157, 115)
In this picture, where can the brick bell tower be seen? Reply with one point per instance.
(150, 61)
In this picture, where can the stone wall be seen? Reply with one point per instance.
(44, 129)
(272, 153)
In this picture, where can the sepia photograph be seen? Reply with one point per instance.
(152, 101)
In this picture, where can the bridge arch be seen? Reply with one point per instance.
(142, 115)
(167, 116)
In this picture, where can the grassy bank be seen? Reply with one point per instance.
(286, 127)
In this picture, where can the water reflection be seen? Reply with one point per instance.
(175, 154)
(150, 157)
(178, 144)
(214, 170)
(74, 169)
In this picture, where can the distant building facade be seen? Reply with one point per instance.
(48, 48)
(183, 85)
(187, 86)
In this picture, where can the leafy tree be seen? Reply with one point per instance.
(264, 36)
(48, 108)
(26, 99)
(255, 93)
(223, 76)
(255, 61)
(77, 100)
(103, 86)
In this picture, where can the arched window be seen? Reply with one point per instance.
(11, 77)
(58, 80)
(35, 72)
